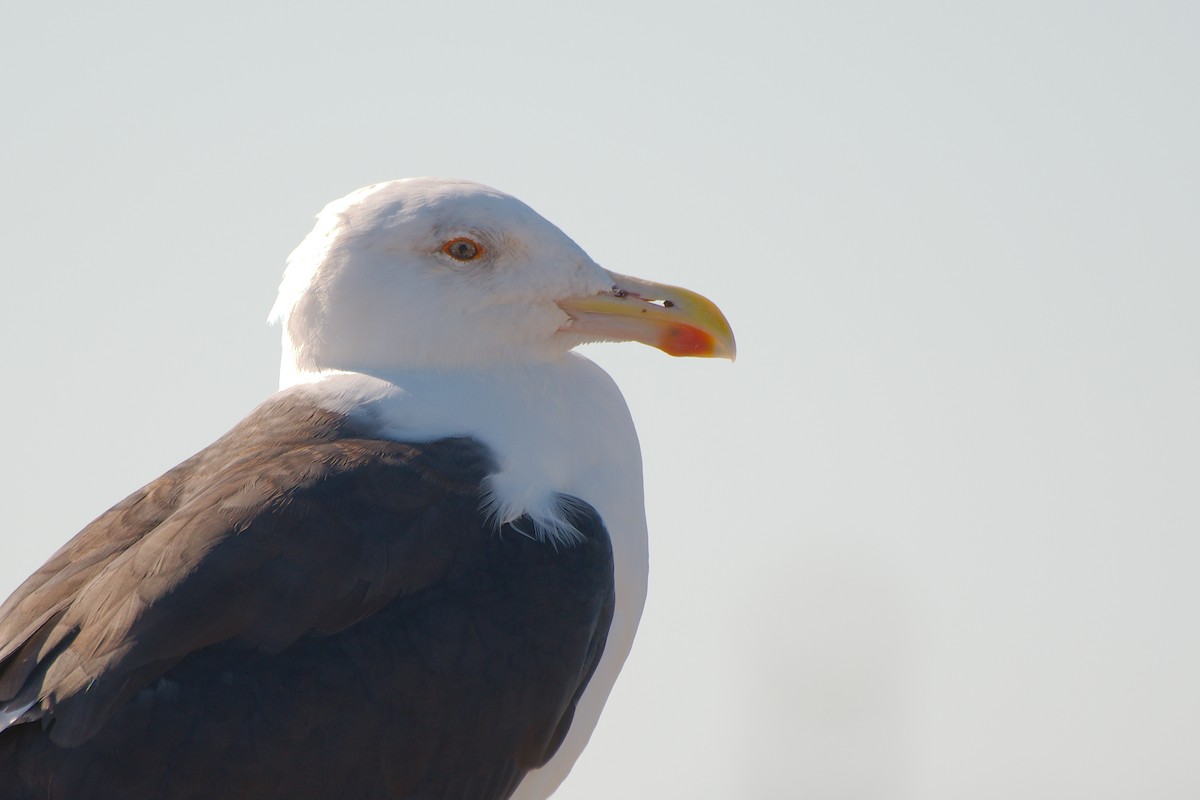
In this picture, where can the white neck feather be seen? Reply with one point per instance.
(554, 427)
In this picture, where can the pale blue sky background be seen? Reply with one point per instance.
(936, 534)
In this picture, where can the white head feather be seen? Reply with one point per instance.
(371, 289)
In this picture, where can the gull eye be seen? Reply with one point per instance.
(462, 249)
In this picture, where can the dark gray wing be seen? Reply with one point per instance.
(301, 611)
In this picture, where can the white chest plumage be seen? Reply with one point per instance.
(555, 428)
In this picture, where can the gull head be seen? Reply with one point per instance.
(447, 274)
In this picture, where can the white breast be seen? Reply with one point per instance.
(555, 428)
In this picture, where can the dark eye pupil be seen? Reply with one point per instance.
(463, 251)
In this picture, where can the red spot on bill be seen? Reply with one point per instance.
(684, 340)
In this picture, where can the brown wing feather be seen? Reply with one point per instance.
(295, 545)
